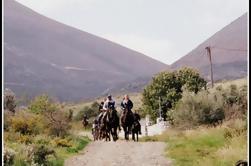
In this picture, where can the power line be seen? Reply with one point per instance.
(230, 49)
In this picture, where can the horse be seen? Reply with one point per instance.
(241, 163)
(136, 127)
(113, 123)
(95, 131)
(105, 126)
(127, 122)
(85, 122)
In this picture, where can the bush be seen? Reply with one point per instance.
(9, 155)
(42, 104)
(25, 139)
(62, 142)
(196, 109)
(56, 121)
(58, 124)
(210, 107)
(25, 123)
(89, 111)
(41, 154)
(9, 100)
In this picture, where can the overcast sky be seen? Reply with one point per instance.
(165, 30)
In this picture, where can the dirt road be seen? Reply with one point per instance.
(121, 153)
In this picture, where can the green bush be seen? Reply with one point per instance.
(89, 111)
(41, 154)
(62, 142)
(25, 123)
(209, 107)
(56, 121)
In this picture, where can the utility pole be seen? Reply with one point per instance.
(211, 67)
(159, 108)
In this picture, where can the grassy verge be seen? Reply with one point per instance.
(220, 146)
(64, 148)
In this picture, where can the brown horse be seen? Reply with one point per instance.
(105, 127)
(136, 127)
(127, 122)
(85, 122)
(113, 123)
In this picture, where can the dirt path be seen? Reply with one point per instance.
(121, 153)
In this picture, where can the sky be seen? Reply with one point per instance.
(165, 30)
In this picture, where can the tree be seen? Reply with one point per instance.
(166, 87)
(190, 78)
(57, 120)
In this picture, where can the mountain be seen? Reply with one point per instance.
(228, 52)
(44, 56)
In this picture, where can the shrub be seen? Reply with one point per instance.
(58, 124)
(9, 155)
(42, 104)
(42, 139)
(210, 107)
(41, 154)
(62, 142)
(25, 123)
(89, 111)
(197, 109)
(56, 121)
(25, 139)
(9, 100)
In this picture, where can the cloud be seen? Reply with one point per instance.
(162, 50)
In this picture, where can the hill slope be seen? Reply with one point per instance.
(42, 55)
(228, 53)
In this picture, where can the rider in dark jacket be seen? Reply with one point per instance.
(128, 104)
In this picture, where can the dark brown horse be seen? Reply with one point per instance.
(105, 126)
(85, 122)
(127, 122)
(113, 124)
(136, 127)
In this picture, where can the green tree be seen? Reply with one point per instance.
(57, 121)
(166, 87)
(191, 79)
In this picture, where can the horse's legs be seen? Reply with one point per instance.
(125, 132)
(133, 136)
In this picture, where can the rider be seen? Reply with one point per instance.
(85, 119)
(101, 110)
(109, 103)
(128, 104)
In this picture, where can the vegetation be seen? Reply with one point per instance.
(191, 140)
(223, 145)
(89, 111)
(9, 101)
(210, 106)
(167, 88)
(40, 134)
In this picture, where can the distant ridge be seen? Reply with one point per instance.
(44, 56)
(229, 55)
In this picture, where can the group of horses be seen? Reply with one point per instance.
(110, 124)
